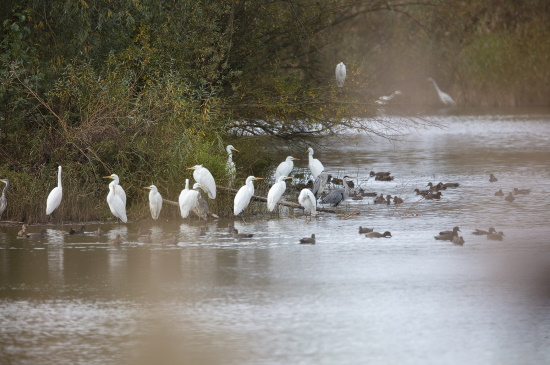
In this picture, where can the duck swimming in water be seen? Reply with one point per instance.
(480, 232)
(378, 235)
(496, 236)
(499, 193)
(492, 178)
(308, 240)
(365, 230)
(510, 198)
(238, 235)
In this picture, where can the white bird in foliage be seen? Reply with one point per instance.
(285, 167)
(117, 206)
(276, 192)
(340, 74)
(190, 200)
(118, 189)
(243, 196)
(230, 165)
(182, 196)
(54, 198)
(155, 201)
(444, 97)
(308, 201)
(3, 199)
(383, 100)
(205, 179)
(315, 166)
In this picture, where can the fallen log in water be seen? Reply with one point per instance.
(262, 199)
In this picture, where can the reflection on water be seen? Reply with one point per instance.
(347, 299)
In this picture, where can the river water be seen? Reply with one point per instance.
(409, 299)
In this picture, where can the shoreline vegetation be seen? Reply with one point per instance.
(146, 89)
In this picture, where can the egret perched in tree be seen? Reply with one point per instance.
(444, 97)
(276, 192)
(155, 201)
(340, 74)
(308, 201)
(337, 196)
(320, 183)
(205, 179)
(243, 196)
(190, 200)
(285, 167)
(54, 199)
(118, 189)
(182, 196)
(230, 165)
(383, 100)
(117, 206)
(3, 199)
(315, 166)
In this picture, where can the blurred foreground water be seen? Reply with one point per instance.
(346, 300)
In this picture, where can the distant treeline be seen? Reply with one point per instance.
(147, 88)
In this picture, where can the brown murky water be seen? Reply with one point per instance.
(346, 300)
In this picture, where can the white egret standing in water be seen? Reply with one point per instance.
(190, 200)
(444, 97)
(118, 189)
(155, 201)
(285, 167)
(3, 199)
(117, 206)
(340, 74)
(182, 196)
(230, 165)
(54, 198)
(205, 179)
(308, 201)
(315, 166)
(243, 196)
(276, 192)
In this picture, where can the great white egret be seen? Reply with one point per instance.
(155, 201)
(383, 100)
(205, 179)
(444, 97)
(243, 196)
(340, 74)
(190, 200)
(308, 240)
(276, 192)
(315, 166)
(3, 199)
(285, 167)
(182, 196)
(117, 206)
(230, 165)
(54, 198)
(118, 189)
(308, 201)
(320, 183)
(337, 196)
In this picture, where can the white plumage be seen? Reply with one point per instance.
(444, 97)
(117, 206)
(285, 167)
(315, 166)
(340, 74)
(118, 189)
(155, 201)
(190, 200)
(276, 192)
(230, 165)
(182, 196)
(205, 179)
(243, 196)
(308, 201)
(54, 198)
(383, 100)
